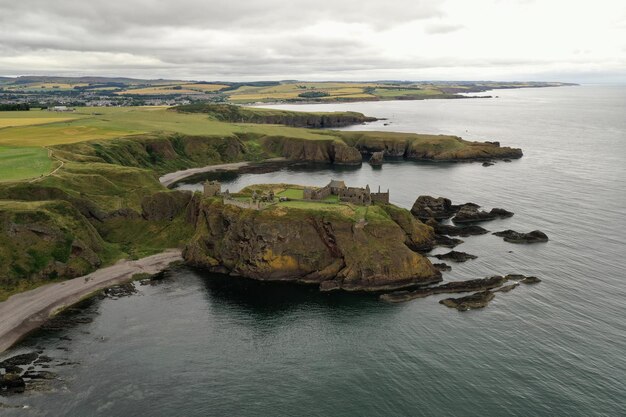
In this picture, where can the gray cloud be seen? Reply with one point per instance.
(244, 39)
(441, 28)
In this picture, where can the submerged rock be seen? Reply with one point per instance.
(456, 256)
(512, 236)
(507, 288)
(469, 302)
(450, 230)
(39, 375)
(22, 359)
(488, 163)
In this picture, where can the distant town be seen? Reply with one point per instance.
(22, 93)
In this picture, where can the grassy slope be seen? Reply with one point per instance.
(40, 222)
(17, 163)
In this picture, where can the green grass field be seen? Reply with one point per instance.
(18, 163)
(114, 122)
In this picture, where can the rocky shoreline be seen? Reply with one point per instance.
(26, 311)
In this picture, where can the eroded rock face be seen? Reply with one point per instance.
(377, 158)
(427, 207)
(512, 236)
(310, 246)
(346, 155)
(165, 205)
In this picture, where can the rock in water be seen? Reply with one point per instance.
(471, 214)
(377, 158)
(469, 302)
(512, 236)
(427, 207)
(471, 285)
(450, 230)
(12, 383)
(443, 266)
(448, 242)
(500, 212)
(456, 256)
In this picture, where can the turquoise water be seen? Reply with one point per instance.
(198, 344)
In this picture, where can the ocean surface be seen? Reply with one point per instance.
(197, 344)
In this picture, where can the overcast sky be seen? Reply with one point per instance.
(561, 40)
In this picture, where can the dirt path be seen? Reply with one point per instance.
(50, 155)
(26, 311)
(172, 177)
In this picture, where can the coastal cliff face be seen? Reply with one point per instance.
(308, 150)
(239, 114)
(328, 248)
(427, 147)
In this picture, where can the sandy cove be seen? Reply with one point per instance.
(173, 177)
(24, 312)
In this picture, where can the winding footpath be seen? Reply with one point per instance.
(26, 311)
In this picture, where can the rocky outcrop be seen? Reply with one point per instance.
(512, 236)
(345, 155)
(327, 248)
(469, 302)
(445, 241)
(450, 287)
(450, 230)
(427, 207)
(443, 267)
(456, 256)
(377, 158)
(523, 279)
(472, 214)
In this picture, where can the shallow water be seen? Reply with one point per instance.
(201, 344)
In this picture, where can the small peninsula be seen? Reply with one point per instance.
(338, 237)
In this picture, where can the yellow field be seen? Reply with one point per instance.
(188, 88)
(204, 87)
(27, 121)
(114, 122)
(293, 90)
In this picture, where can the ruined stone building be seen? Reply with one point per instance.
(212, 188)
(355, 195)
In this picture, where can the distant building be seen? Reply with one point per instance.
(61, 108)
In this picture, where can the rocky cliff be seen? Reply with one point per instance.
(427, 147)
(238, 114)
(333, 248)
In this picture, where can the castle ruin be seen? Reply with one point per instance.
(354, 195)
(212, 188)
